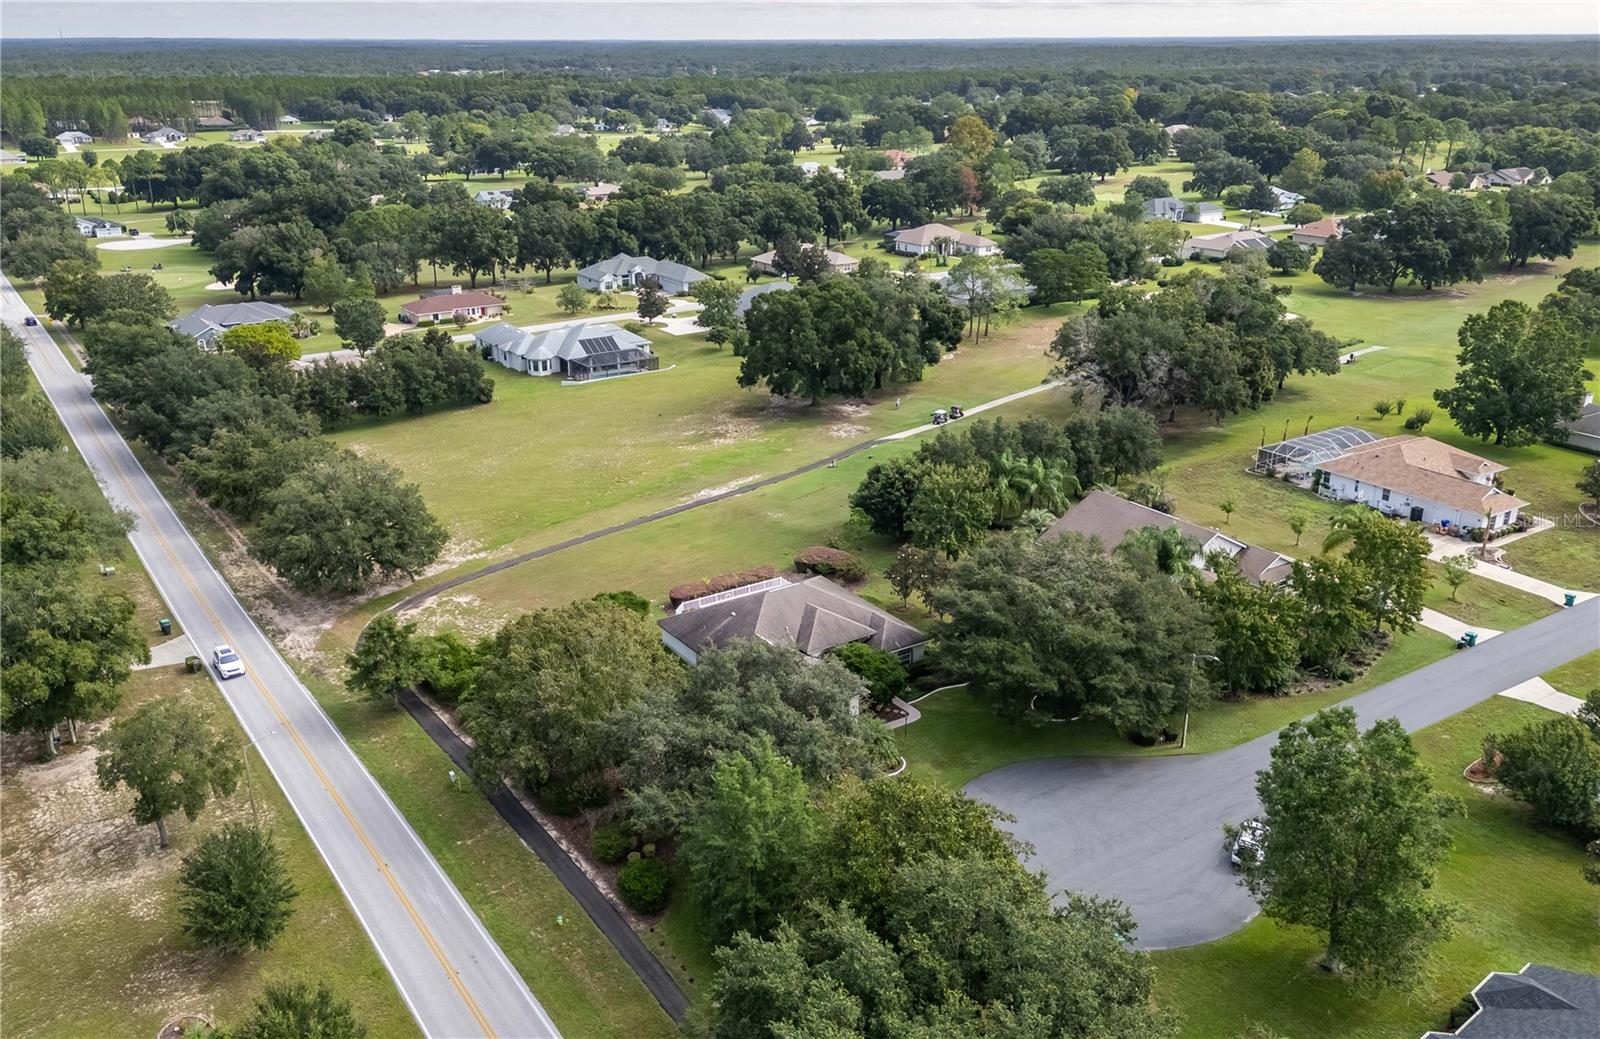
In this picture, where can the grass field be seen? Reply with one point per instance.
(1520, 898)
(1484, 602)
(1577, 677)
(959, 738)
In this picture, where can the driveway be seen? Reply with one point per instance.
(1148, 831)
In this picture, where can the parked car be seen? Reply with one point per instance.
(1248, 843)
(227, 662)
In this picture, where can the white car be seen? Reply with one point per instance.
(1247, 845)
(228, 663)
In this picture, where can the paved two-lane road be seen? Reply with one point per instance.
(453, 976)
(1148, 831)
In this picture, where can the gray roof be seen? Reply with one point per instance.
(748, 296)
(567, 342)
(1535, 1003)
(215, 317)
(1109, 519)
(814, 616)
(1165, 208)
(651, 267)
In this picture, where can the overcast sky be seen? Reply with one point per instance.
(786, 20)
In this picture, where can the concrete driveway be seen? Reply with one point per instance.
(1148, 831)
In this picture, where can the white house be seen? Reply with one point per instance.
(94, 227)
(495, 198)
(1286, 200)
(600, 191)
(74, 138)
(720, 115)
(565, 130)
(1421, 479)
(666, 126)
(165, 135)
(1218, 246)
(941, 240)
(579, 352)
(748, 297)
(1515, 177)
(252, 136)
(1318, 233)
(1179, 211)
(288, 120)
(628, 272)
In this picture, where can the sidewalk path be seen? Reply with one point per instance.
(1433, 620)
(1538, 691)
(170, 653)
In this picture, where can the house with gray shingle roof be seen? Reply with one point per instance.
(580, 352)
(206, 324)
(1537, 1002)
(628, 272)
(813, 615)
(748, 296)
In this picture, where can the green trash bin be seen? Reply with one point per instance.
(166, 626)
(1572, 598)
(1471, 639)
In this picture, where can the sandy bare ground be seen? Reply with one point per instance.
(128, 245)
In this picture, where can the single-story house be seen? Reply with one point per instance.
(1318, 233)
(601, 191)
(1515, 177)
(165, 135)
(495, 198)
(811, 168)
(813, 615)
(721, 115)
(898, 158)
(1441, 179)
(1109, 519)
(214, 122)
(1217, 246)
(838, 263)
(1179, 211)
(666, 126)
(627, 272)
(448, 304)
(896, 174)
(94, 227)
(748, 296)
(580, 352)
(288, 120)
(74, 137)
(255, 136)
(206, 324)
(941, 240)
(1583, 432)
(1536, 1002)
(565, 130)
(1285, 199)
(1175, 129)
(1421, 479)
(1298, 457)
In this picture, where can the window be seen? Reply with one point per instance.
(1505, 519)
(1386, 494)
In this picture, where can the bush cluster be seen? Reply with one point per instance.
(830, 562)
(645, 884)
(722, 583)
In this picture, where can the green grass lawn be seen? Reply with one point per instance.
(1517, 887)
(959, 738)
(1485, 602)
(1578, 677)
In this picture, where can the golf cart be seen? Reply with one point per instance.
(940, 417)
(956, 412)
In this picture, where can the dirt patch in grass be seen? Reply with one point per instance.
(847, 431)
(712, 492)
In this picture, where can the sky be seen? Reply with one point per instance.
(791, 19)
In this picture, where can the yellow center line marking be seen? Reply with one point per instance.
(294, 734)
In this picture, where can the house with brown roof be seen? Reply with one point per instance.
(1218, 246)
(446, 306)
(897, 157)
(838, 263)
(1109, 519)
(940, 240)
(1441, 179)
(1318, 233)
(813, 615)
(1421, 479)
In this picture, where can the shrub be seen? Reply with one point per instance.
(722, 583)
(567, 797)
(1419, 418)
(645, 884)
(830, 562)
(611, 843)
(884, 674)
(627, 600)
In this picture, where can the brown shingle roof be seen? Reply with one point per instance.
(450, 302)
(1327, 227)
(1422, 467)
(814, 616)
